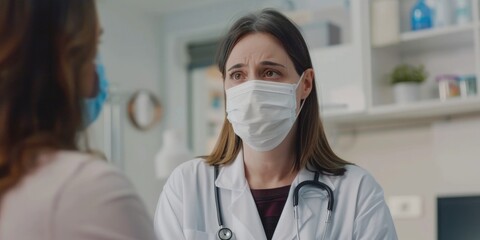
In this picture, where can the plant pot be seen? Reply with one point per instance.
(406, 92)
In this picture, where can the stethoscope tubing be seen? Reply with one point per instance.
(296, 191)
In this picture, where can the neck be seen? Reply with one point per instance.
(271, 169)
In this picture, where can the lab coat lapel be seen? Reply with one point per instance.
(245, 211)
(242, 206)
(310, 202)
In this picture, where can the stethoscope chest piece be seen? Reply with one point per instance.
(225, 234)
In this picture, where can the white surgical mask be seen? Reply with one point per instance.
(262, 112)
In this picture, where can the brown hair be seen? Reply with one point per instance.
(311, 145)
(45, 49)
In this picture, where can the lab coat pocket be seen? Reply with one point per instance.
(198, 235)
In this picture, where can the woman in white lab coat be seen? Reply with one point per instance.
(271, 142)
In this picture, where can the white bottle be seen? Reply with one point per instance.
(173, 153)
(463, 11)
(442, 13)
(385, 22)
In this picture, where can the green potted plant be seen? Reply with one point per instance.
(406, 80)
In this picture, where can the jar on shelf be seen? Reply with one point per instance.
(448, 86)
(468, 85)
(385, 22)
(463, 11)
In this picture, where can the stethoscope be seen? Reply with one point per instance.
(225, 233)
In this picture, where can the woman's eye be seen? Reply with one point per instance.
(236, 76)
(271, 74)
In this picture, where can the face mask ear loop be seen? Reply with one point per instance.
(303, 103)
(299, 81)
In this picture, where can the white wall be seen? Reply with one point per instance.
(430, 160)
(131, 50)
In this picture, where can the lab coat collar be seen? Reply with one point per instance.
(232, 176)
(307, 175)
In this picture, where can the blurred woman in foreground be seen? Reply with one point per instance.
(49, 93)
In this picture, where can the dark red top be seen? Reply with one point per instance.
(270, 204)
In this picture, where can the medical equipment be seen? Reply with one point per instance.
(317, 184)
(225, 233)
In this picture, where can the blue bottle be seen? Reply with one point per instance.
(421, 16)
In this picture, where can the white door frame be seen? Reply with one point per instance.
(177, 60)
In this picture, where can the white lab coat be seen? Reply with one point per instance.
(186, 209)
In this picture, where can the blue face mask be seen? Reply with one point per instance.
(93, 106)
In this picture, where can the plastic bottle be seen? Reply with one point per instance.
(173, 152)
(421, 16)
(442, 13)
(385, 22)
(463, 11)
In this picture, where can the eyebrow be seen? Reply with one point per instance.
(239, 65)
(264, 63)
(269, 63)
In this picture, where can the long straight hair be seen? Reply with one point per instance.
(45, 49)
(311, 145)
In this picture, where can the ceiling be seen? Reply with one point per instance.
(166, 6)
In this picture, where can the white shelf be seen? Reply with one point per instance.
(435, 32)
(430, 109)
(435, 38)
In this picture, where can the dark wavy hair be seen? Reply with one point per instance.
(46, 49)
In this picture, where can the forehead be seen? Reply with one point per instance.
(257, 47)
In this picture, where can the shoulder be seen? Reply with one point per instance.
(69, 167)
(194, 165)
(364, 197)
(79, 196)
(358, 178)
(191, 171)
(189, 178)
(92, 176)
(89, 175)
(77, 164)
(61, 173)
(184, 184)
(98, 195)
(356, 172)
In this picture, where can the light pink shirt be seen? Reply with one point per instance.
(73, 196)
